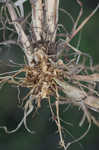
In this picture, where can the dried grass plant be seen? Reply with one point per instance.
(45, 73)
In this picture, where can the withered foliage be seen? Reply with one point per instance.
(52, 65)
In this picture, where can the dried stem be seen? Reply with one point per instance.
(23, 37)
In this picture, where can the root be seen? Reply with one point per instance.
(28, 106)
(61, 143)
(80, 138)
(44, 73)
